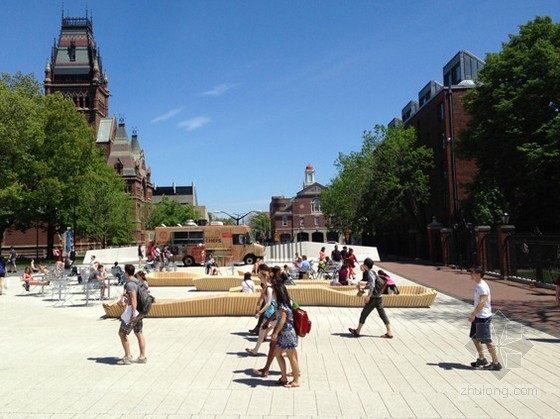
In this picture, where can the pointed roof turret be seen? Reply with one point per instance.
(121, 157)
(135, 145)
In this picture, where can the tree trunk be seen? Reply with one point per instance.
(50, 240)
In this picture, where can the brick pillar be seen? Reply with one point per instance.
(445, 234)
(505, 250)
(481, 246)
(434, 229)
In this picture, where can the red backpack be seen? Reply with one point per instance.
(302, 324)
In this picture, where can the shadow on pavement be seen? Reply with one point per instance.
(451, 366)
(245, 354)
(544, 340)
(256, 381)
(350, 335)
(109, 360)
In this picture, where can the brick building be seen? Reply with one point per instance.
(300, 218)
(439, 117)
(76, 71)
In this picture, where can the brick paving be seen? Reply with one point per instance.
(524, 303)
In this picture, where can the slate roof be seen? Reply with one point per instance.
(122, 151)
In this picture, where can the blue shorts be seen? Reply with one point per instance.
(480, 329)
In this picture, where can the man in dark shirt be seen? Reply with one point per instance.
(135, 323)
(335, 254)
(344, 253)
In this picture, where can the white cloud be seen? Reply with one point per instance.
(168, 115)
(194, 123)
(220, 89)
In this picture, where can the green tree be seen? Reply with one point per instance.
(20, 133)
(48, 155)
(104, 209)
(171, 213)
(260, 226)
(383, 183)
(514, 131)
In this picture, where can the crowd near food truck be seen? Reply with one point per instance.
(228, 243)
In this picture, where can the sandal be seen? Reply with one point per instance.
(354, 332)
(387, 336)
(291, 384)
(250, 352)
(261, 373)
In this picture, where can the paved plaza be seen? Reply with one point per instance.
(61, 362)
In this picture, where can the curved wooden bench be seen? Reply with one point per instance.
(230, 304)
(171, 279)
(236, 303)
(218, 282)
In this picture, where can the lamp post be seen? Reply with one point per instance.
(237, 217)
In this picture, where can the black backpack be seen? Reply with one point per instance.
(144, 301)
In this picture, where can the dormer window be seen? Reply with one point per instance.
(119, 167)
(72, 51)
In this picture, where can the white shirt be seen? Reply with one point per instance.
(247, 285)
(482, 288)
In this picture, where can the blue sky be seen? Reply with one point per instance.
(239, 96)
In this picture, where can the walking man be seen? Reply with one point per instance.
(13, 257)
(480, 319)
(374, 299)
(135, 323)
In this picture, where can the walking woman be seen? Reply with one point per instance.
(285, 337)
(267, 310)
(374, 299)
(2, 273)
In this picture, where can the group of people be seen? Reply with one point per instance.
(157, 258)
(274, 311)
(210, 264)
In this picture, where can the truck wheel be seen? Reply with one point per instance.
(250, 259)
(188, 261)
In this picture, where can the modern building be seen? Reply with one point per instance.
(185, 195)
(300, 218)
(439, 117)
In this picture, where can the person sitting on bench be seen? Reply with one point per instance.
(28, 280)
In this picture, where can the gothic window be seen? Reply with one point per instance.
(119, 167)
(72, 51)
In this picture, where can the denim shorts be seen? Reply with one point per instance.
(481, 330)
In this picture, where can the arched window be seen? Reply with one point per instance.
(316, 205)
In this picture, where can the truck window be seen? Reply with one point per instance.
(242, 239)
(187, 238)
(239, 239)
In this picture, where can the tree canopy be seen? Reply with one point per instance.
(379, 185)
(260, 226)
(514, 131)
(46, 165)
(171, 213)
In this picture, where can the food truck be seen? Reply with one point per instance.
(191, 244)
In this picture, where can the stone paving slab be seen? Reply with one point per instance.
(61, 362)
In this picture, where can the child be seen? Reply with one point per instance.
(142, 281)
(389, 283)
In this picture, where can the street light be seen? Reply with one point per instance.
(237, 217)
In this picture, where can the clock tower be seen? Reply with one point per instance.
(76, 71)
